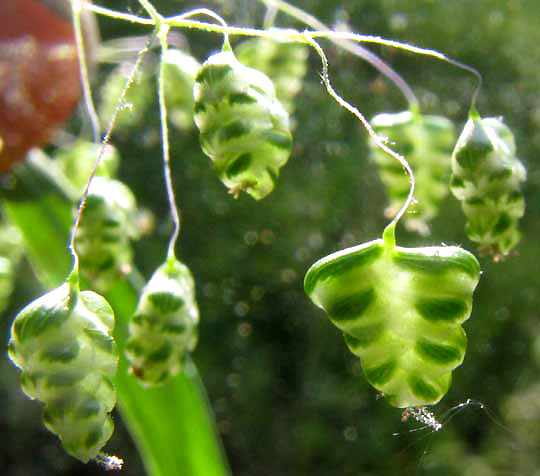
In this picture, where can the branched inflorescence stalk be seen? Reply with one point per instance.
(308, 37)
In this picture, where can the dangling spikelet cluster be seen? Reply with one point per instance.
(284, 62)
(401, 311)
(426, 142)
(164, 327)
(486, 178)
(107, 224)
(243, 127)
(62, 343)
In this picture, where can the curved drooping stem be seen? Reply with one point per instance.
(410, 48)
(308, 37)
(353, 48)
(103, 148)
(175, 213)
(211, 14)
(87, 93)
(162, 30)
(182, 21)
(353, 110)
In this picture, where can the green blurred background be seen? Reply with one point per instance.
(288, 397)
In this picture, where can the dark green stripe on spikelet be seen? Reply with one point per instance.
(401, 311)
(243, 127)
(213, 75)
(337, 264)
(164, 327)
(363, 336)
(65, 353)
(446, 309)
(238, 166)
(166, 302)
(63, 345)
(380, 374)
(427, 391)
(487, 178)
(423, 262)
(41, 320)
(351, 307)
(438, 353)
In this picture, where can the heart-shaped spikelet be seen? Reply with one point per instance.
(63, 344)
(401, 311)
(164, 328)
(486, 179)
(426, 142)
(243, 127)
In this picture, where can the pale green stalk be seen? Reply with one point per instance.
(353, 48)
(76, 9)
(102, 150)
(292, 35)
(307, 37)
(162, 30)
(175, 213)
(353, 110)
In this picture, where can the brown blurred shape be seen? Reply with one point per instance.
(39, 74)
